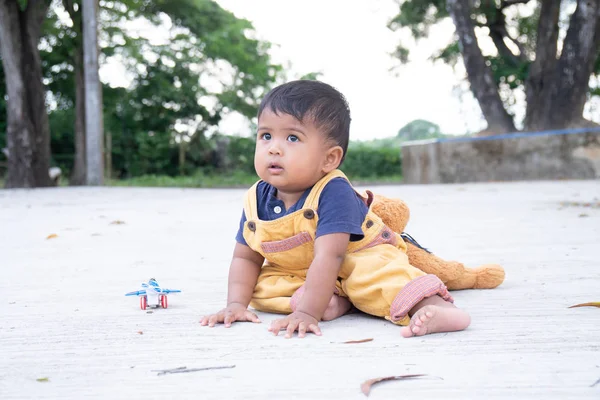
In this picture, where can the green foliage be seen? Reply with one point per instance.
(62, 145)
(241, 153)
(419, 129)
(201, 178)
(209, 65)
(311, 76)
(418, 16)
(367, 161)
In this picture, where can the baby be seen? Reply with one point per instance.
(325, 250)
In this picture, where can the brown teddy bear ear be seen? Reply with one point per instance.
(393, 212)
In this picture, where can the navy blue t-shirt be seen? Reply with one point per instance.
(341, 210)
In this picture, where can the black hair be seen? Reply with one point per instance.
(326, 107)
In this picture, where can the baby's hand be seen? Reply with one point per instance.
(228, 315)
(296, 321)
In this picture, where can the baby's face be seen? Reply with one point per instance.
(290, 154)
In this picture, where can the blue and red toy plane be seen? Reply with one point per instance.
(152, 295)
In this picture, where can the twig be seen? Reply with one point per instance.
(595, 383)
(184, 369)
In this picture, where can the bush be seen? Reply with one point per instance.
(366, 161)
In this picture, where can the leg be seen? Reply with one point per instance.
(274, 290)
(398, 291)
(434, 314)
(337, 306)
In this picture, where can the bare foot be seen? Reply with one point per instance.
(337, 307)
(436, 318)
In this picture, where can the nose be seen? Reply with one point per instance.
(274, 149)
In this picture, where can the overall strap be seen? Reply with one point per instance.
(312, 201)
(250, 203)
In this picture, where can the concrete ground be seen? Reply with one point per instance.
(68, 332)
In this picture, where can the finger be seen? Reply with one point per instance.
(315, 329)
(204, 321)
(214, 319)
(277, 325)
(250, 316)
(229, 318)
(302, 329)
(291, 328)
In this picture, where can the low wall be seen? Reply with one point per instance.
(568, 154)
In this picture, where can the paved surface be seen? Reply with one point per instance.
(64, 318)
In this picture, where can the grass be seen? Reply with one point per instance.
(236, 179)
(198, 180)
(233, 180)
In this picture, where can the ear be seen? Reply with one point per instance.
(333, 158)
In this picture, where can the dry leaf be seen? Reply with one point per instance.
(358, 341)
(52, 236)
(592, 304)
(141, 332)
(44, 379)
(185, 369)
(366, 385)
(583, 215)
(117, 222)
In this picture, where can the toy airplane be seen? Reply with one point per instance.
(152, 295)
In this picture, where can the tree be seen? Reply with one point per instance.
(419, 129)
(166, 90)
(527, 56)
(27, 131)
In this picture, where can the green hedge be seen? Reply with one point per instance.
(365, 161)
(222, 155)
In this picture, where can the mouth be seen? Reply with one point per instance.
(275, 167)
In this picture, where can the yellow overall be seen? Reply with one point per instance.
(375, 275)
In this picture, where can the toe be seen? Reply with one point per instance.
(406, 332)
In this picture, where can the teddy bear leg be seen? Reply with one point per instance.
(486, 276)
(454, 274)
(432, 264)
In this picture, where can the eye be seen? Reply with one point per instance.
(293, 138)
(265, 136)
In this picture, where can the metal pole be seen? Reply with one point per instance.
(94, 125)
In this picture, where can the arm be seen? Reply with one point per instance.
(322, 274)
(243, 274)
(319, 287)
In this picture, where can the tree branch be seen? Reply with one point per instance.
(496, 23)
(68, 4)
(35, 13)
(480, 76)
(508, 3)
(498, 32)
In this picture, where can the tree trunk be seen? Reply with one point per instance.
(540, 83)
(28, 130)
(94, 127)
(78, 174)
(580, 51)
(480, 76)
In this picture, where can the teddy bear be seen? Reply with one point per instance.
(395, 214)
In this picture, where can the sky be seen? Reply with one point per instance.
(350, 44)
